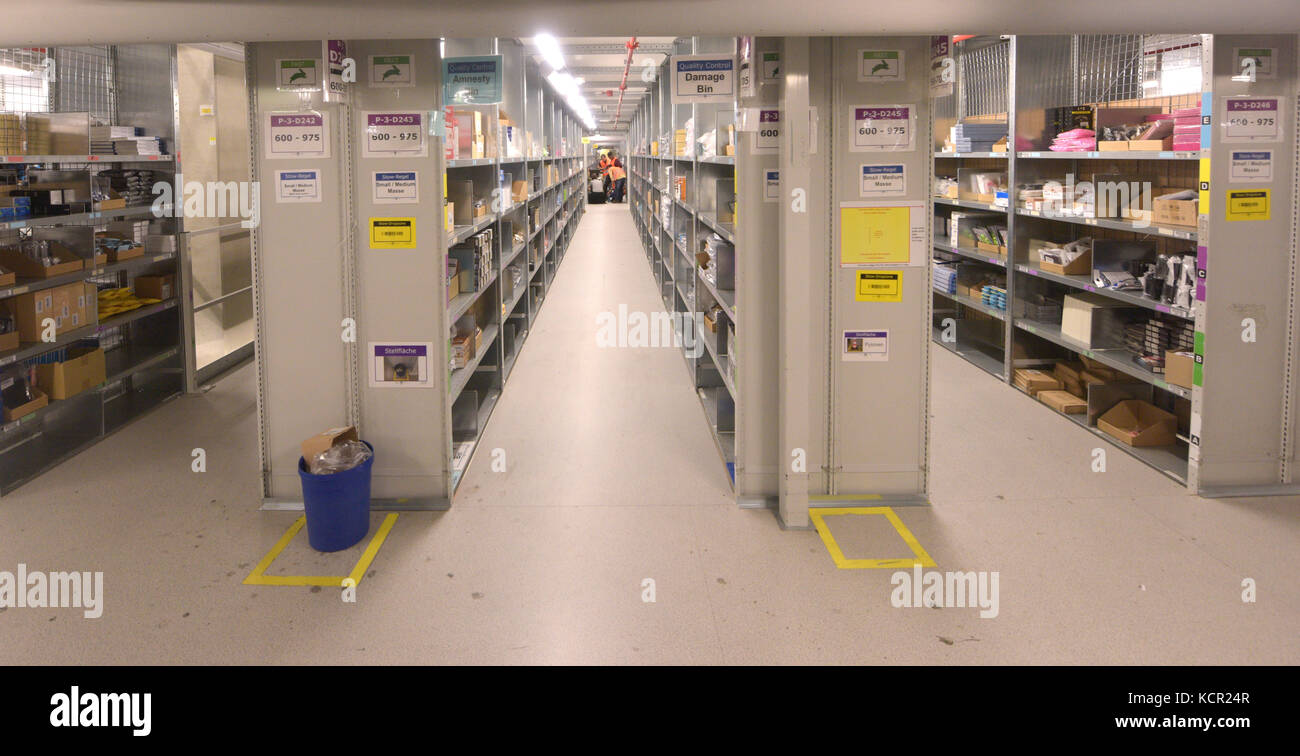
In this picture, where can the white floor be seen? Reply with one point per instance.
(613, 479)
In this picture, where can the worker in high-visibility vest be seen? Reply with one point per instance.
(604, 165)
(618, 178)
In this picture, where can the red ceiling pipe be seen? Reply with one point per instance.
(622, 87)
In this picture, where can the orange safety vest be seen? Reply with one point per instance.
(616, 173)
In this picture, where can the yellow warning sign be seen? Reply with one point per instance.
(875, 235)
(392, 233)
(879, 286)
(1248, 205)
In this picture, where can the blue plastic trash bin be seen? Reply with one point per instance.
(337, 505)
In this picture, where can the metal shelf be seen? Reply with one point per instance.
(724, 297)
(37, 284)
(725, 230)
(1190, 234)
(719, 360)
(461, 304)
(1117, 155)
(460, 376)
(972, 354)
(1119, 359)
(974, 304)
(86, 219)
(969, 204)
(18, 159)
(982, 155)
(123, 361)
(1084, 283)
(974, 254)
(134, 315)
(470, 162)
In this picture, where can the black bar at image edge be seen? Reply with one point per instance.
(1120, 704)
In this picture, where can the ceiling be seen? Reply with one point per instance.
(600, 62)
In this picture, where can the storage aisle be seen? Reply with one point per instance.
(582, 424)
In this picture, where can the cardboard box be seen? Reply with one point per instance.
(20, 264)
(460, 195)
(1138, 423)
(1034, 381)
(1063, 402)
(326, 439)
(23, 410)
(7, 277)
(155, 287)
(1094, 321)
(1179, 367)
(82, 371)
(1174, 212)
(519, 191)
(70, 305)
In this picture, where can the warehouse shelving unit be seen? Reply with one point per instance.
(426, 436)
(680, 199)
(144, 348)
(1020, 80)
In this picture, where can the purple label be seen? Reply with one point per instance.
(307, 119)
(1163, 308)
(865, 334)
(769, 116)
(880, 114)
(1251, 105)
(400, 350)
(704, 65)
(1202, 265)
(392, 119)
(338, 50)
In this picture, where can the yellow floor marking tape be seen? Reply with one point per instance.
(258, 576)
(844, 563)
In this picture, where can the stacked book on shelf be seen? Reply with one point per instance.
(123, 140)
(977, 137)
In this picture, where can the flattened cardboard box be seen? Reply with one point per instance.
(1063, 402)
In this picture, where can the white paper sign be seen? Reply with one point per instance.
(771, 186)
(395, 188)
(771, 62)
(394, 134)
(703, 78)
(1251, 166)
(1252, 119)
(767, 140)
(880, 65)
(391, 70)
(401, 365)
(294, 74)
(302, 185)
(878, 128)
(297, 135)
(865, 346)
(883, 181)
(1263, 62)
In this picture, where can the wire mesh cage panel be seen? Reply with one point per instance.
(983, 73)
(83, 81)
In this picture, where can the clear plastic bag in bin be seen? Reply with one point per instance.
(339, 457)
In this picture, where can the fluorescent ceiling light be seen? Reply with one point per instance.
(13, 71)
(550, 50)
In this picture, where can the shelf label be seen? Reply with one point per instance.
(1252, 166)
(883, 128)
(297, 186)
(703, 78)
(1260, 64)
(401, 365)
(880, 65)
(392, 233)
(395, 188)
(394, 134)
(879, 286)
(865, 346)
(767, 140)
(771, 186)
(1248, 205)
(392, 70)
(883, 181)
(771, 66)
(297, 74)
(474, 80)
(336, 51)
(1252, 119)
(297, 135)
(941, 66)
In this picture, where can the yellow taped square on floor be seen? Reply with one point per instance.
(865, 531)
(292, 561)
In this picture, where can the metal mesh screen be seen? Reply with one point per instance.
(84, 81)
(1125, 67)
(983, 72)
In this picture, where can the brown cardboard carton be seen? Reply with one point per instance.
(155, 287)
(1063, 402)
(1179, 367)
(1079, 266)
(325, 439)
(82, 371)
(1098, 369)
(1034, 381)
(70, 305)
(20, 264)
(22, 410)
(1174, 212)
(1138, 423)
(7, 277)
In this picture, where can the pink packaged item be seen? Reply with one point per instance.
(1188, 113)
(1076, 134)
(1181, 144)
(1189, 128)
